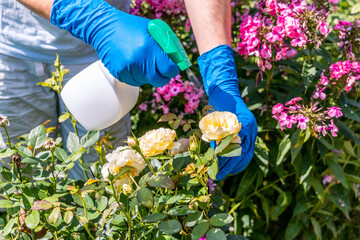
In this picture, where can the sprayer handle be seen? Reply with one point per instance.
(169, 42)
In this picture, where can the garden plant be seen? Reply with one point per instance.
(298, 64)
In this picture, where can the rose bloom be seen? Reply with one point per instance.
(156, 141)
(119, 158)
(218, 125)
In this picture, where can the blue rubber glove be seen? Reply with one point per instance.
(218, 69)
(121, 40)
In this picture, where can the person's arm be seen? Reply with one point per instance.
(40, 7)
(211, 22)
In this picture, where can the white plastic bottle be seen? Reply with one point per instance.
(96, 99)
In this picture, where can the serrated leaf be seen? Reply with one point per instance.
(73, 143)
(161, 181)
(215, 234)
(37, 137)
(145, 197)
(170, 226)
(233, 150)
(193, 219)
(155, 217)
(33, 219)
(6, 203)
(223, 144)
(180, 211)
(90, 138)
(41, 205)
(68, 217)
(221, 219)
(167, 117)
(199, 230)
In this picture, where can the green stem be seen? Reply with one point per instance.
(53, 170)
(147, 162)
(122, 208)
(7, 136)
(85, 210)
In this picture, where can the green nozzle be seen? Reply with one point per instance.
(169, 42)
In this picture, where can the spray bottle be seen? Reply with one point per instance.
(97, 100)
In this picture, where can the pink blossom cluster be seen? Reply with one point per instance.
(349, 34)
(185, 91)
(265, 35)
(159, 7)
(313, 117)
(341, 76)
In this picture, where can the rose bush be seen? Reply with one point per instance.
(298, 63)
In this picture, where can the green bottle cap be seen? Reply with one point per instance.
(169, 42)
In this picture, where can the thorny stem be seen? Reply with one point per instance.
(52, 170)
(85, 210)
(122, 208)
(147, 162)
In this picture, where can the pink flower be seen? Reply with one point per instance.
(293, 101)
(157, 97)
(335, 112)
(323, 28)
(291, 53)
(143, 106)
(165, 109)
(286, 120)
(333, 128)
(302, 121)
(321, 129)
(278, 108)
(328, 179)
(319, 94)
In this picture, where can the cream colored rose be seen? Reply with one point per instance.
(119, 158)
(156, 141)
(218, 125)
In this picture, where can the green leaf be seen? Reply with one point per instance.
(60, 154)
(233, 150)
(30, 161)
(63, 117)
(213, 169)
(306, 174)
(293, 229)
(224, 143)
(24, 152)
(33, 219)
(347, 132)
(6, 203)
(337, 170)
(199, 230)
(326, 144)
(317, 228)
(221, 219)
(41, 205)
(54, 216)
(145, 197)
(209, 155)
(193, 219)
(7, 152)
(73, 143)
(9, 225)
(37, 137)
(347, 110)
(180, 211)
(6, 174)
(102, 203)
(175, 199)
(161, 181)
(176, 123)
(155, 217)
(90, 138)
(215, 234)
(167, 117)
(282, 203)
(325, 54)
(308, 73)
(170, 226)
(284, 148)
(68, 217)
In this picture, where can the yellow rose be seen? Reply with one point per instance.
(156, 141)
(119, 158)
(218, 125)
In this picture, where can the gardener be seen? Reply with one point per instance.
(132, 56)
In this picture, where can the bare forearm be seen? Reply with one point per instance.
(40, 7)
(211, 22)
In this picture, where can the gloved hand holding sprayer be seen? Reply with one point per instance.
(133, 56)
